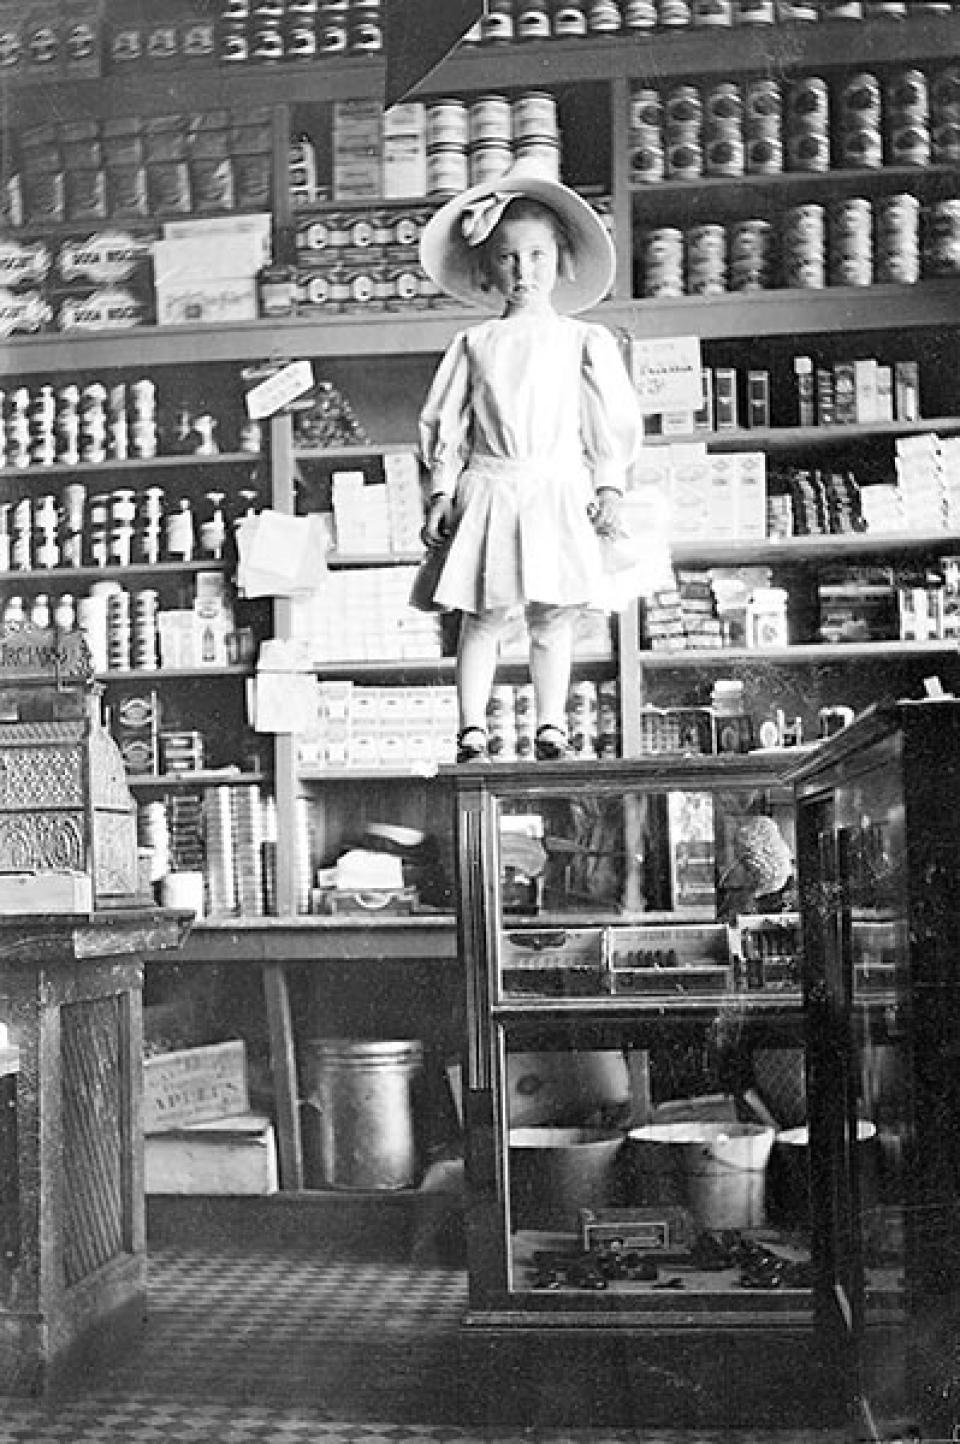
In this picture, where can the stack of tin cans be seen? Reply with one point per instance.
(750, 255)
(896, 239)
(808, 124)
(945, 115)
(723, 130)
(908, 118)
(705, 256)
(662, 262)
(763, 126)
(859, 126)
(647, 161)
(469, 143)
(246, 815)
(221, 897)
(850, 242)
(803, 247)
(941, 242)
(682, 132)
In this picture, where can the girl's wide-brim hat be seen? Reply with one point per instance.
(452, 261)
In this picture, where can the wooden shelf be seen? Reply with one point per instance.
(314, 940)
(811, 550)
(188, 461)
(177, 781)
(776, 439)
(60, 577)
(799, 654)
(386, 335)
(158, 676)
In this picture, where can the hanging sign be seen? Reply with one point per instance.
(278, 390)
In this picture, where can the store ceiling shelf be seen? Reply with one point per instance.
(645, 55)
(181, 781)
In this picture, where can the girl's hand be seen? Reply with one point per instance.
(606, 512)
(436, 528)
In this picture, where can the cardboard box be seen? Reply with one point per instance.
(236, 1155)
(211, 302)
(194, 1085)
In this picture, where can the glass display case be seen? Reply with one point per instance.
(878, 825)
(635, 1086)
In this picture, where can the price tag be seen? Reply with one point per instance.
(278, 390)
(667, 374)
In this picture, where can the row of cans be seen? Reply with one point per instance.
(592, 716)
(523, 20)
(765, 126)
(471, 142)
(853, 242)
(44, 425)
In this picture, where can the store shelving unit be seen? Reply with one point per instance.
(362, 350)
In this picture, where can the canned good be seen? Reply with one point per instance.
(683, 107)
(541, 152)
(858, 99)
(673, 12)
(910, 145)
(724, 153)
(861, 149)
(706, 260)
(755, 12)
(534, 114)
(568, 21)
(945, 143)
(907, 96)
(639, 14)
(763, 155)
(809, 152)
(490, 118)
(496, 22)
(647, 164)
(762, 106)
(447, 123)
(603, 17)
(277, 290)
(646, 110)
(723, 104)
(662, 259)
(489, 160)
(712, 12)
(945, 95)
(532, 20)
(808, 104)
(941, 244)
(447, 170)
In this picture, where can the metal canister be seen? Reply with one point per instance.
(705, 249)
(910, 145)
(21, 544)
(496, 22)
(712, 12)
(859, 100)
(763, 155)
(724, 152)
(532, 21)
(568, 19)
(941, 239)
(542, 153)
(603, 17)
(906, 96)
(534, 115)
(807, 105)
(809, 151)
(944, 89)
(682, 108)
(447, 170)
(490, 118)
(662, 261)
(860, 149)
(447, 123)
(488, 160)
(645, 115)
(583, 719)
(803, 251)
(647, 162)
(639, 14)
(674, 13)
(750, 255)
(755, 12)
(897, 239)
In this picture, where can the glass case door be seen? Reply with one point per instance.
(646, 1050)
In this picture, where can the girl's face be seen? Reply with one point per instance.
(521, 262)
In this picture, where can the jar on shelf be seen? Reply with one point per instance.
(178, 532)
(767, 624)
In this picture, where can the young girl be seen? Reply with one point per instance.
(527, 431)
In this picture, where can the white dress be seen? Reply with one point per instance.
(526, 419)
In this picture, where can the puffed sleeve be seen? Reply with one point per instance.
(611, 421)
(445, 419)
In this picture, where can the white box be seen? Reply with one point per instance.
(211, 302)
(207, 257)
(236, 1155)
(221, 228)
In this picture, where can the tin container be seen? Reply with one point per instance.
(662, 261)
(807, 105)
(714, 13)
(534, 116)
(447, 123)
(542, 153)
(447, 170)
(705, 260)
(489, 160)
(490, 118)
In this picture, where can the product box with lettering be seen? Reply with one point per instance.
(192, 1085)
(135, 725)
(223, 1156)
(357, 149)
(207, 278)
(405, 150)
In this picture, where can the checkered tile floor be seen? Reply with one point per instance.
(294, 1347)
